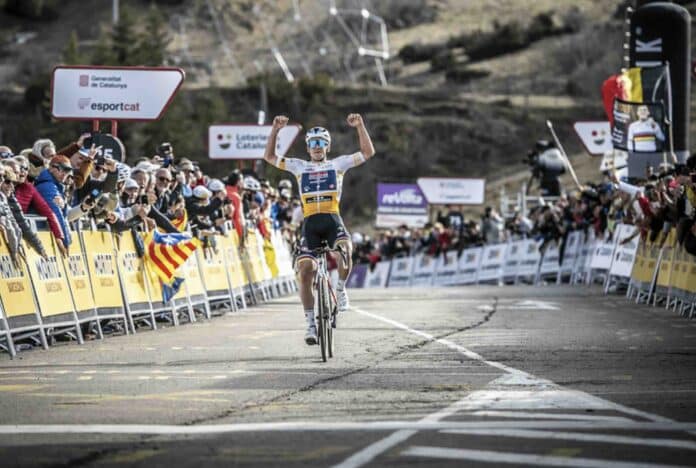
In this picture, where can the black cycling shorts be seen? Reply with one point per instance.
(321, 227)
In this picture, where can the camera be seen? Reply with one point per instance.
(143, 200)
(165, 149)
(92, 197)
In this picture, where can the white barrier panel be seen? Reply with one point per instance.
(469, 265)
(582, 262)
(549, 261)
(570, 253)
(515, 254)
(423, 270)
(492, 261)
(529, 264)
(624, 254)
(446, 271)
(378, 277)
(401, 271)
(602, 255)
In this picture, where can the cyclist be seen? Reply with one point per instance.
(320, 181)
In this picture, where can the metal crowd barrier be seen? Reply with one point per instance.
(659, 273)
(104, 281)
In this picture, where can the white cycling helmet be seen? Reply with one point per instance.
(251, 184)
(318, 133)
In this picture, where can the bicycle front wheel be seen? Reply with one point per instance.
(322, 309)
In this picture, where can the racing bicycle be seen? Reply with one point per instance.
(326, 303)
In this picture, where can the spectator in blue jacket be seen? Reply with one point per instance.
(49, 184)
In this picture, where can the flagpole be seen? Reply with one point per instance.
(563, 153)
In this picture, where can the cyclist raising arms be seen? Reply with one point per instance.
(320, 181)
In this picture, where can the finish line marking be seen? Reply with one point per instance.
(577, 437)
(524, 458)
(515, 377)
(348, 426)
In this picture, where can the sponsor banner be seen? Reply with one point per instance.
(595, 136)
(423, 270)
(102, 268)
(492, 261)
(230, 246)
(247, 141)
(529, 264)
(513, 258)
(571, 252)
(113, 93)
(75, 266)
(549, 262)
(446, 269)
(602, 254)
(378, 276)
(50, 283)
(624, 253)
(399, 204)
(132, 270)
(401, 271)
(639, 127)
(357, 276)
(450, 191)
(469, 262)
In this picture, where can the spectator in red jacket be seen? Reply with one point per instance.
(31, 201)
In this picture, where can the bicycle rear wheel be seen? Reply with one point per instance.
(330, 309)
(321, 322)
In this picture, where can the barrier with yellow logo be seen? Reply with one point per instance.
(215, 279)
(99, 250)
(20, 313)
(230, 248)
(131, 269)
(52, 290)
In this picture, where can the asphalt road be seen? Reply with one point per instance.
(475, 376)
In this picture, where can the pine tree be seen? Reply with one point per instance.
(152, 44)
(71, 53)
(103, 53)
(124, 40)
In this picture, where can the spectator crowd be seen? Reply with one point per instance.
(654, 205)
(75, 185)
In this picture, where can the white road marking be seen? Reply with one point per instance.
(347, 426)
(578, 437)
(523, 458)
(535, 415)
(515, 377)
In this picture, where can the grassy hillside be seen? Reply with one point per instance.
(471, 83)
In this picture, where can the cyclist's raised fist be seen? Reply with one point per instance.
(280, 121)
(354, 120)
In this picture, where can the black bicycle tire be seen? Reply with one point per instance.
(329, 328)
(321, 326)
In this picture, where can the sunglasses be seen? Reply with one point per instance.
(6, 155)
(8, 181)
(24, 168)
(317, 144)
(63, 168)
(164, 179)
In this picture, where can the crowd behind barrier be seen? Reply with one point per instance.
(89, 245)
(639, 235)
(650, 272)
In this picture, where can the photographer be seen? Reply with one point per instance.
(547, 165)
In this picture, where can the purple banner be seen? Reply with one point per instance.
(399, 204)
(357, 276)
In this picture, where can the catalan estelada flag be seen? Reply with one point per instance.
(167, 252)
(181, 223)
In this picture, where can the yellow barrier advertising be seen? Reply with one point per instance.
(16, 291)
(665, 274)
(640, 270)
(50, 283)
(230, 245)
(101, 263)
(75, 266)
(193, 283)
(132, 269)
(213, 269)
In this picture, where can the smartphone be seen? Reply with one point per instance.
(143, 200)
